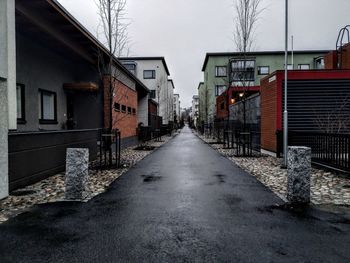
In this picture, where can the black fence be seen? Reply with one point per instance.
(328, 149)
(109, 149)
(232, 134)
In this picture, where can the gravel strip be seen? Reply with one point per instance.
(52, 189)
(326, 187)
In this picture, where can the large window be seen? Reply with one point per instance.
(289, 66)
(319, 63)
(243, 70)
(304, 66)
(220, 71)
(219, 89)
(264, 70)
(131, 67)
(149, 74)
(47, 107)
(152, 94)
(20, 104)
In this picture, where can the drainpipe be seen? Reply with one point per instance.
(285, 113)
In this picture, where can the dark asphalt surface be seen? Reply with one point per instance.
(183, 203)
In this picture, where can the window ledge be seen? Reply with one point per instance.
(21, 121)
(48, 121)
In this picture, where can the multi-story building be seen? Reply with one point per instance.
(223, 70)
(170, 101)
(202, 101)
(195, 109)
(154, 73)
(177, 108)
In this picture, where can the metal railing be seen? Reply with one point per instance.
(109, 149)
(328, 149)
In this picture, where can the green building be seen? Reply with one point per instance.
(223, 70)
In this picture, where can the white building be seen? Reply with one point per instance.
(154, 73)
(177, 108)
(170, 109)
(195, 109)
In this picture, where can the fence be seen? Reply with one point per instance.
(34, 156)
(109, 148)
(327, 149)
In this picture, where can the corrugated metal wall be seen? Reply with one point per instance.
(319, 105)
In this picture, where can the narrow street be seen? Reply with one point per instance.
(183, 203)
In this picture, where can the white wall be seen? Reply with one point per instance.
(171, 100)
(8, 107)
(142, 110)
(159, 84)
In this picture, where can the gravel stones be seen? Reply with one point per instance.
(52, 189)
(327, 188)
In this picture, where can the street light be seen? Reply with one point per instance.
(285, 113)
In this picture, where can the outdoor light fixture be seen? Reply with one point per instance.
(241, 94)
(233, 101)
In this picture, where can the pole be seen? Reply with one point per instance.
(285, 113)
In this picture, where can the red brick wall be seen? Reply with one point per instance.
(345, 63)
(268, 114)
(221, 113)
(330, 60)
(125, 122)
(152, 107)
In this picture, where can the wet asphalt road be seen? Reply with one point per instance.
(183, 203)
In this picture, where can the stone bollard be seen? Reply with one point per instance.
(77, 171)
(299, 170)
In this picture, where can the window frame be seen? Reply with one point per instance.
(320, 58)
(263, 74)
(217, 71)
(21, 120)
(123, 108)
(149, 70)
(41, 119)
(133, 111)
(299, 65)
(292, 66)
(117, 107)
(152, 92)
(129, 110)
(216, 89)
(236, 71)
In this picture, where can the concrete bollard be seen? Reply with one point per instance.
(77, 171)
(299, 171)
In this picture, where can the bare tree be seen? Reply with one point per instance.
(247, 16)
(112, 31)
(334, 119)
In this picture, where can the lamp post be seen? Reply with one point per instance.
(285, 113)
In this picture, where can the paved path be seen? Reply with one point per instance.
(183, 203)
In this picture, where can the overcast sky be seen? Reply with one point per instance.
(183, 31)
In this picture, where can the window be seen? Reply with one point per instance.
(319, 63)
(123, 108)
(149, 74)
(116, 106)
(264, 70)
(47, 107)
(131, 67)
(133, 111)
(289, 67)
(152, 94)
(20, 104)
(129, 110)
(219, 89)
(220, 71)
(304, 66)
(243, 70)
